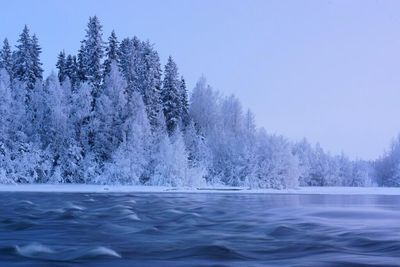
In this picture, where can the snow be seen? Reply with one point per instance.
(85, 188)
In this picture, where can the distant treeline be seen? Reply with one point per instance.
(112, 116)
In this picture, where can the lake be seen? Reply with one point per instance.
(186, 229)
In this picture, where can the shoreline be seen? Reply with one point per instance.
(87, 188)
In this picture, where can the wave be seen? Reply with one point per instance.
(40, 251)
(33, 250)
(101, 251)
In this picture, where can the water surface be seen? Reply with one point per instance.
(179, 229)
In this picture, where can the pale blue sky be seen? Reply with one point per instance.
(327, 70)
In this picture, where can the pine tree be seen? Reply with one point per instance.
(171, 97)
(61, 66)
(111, 53)
(6, 57)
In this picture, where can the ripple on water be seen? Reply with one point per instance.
(102, 251)
(40, 251)
(198, 230)
(33, 250)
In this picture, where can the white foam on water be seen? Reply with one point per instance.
(27, 202)
(33, 249)
(104, 251)
(75, 207)
(134, 217)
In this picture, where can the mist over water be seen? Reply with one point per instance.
(170, 229)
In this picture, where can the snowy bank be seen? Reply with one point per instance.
(85, 188)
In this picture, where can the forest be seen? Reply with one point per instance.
(112, 114)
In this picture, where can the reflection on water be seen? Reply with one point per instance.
(168, 229)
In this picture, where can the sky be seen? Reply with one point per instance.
(325, 70)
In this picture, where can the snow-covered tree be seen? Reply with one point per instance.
(116, 121)
(305, 154)
(72, 71)
(130, 162)
(171, 97)
(388, 166)
(27, 65)
(277, 167)
(112, 53)
(92, 54)
(5, 124)
(110, 114)
(172, 166)
(125, 57)
(36, 50)
(62, 67)
(149, 81)
(184, 103)
(204, 105)
(5, 104)
(362, 174)
(6, 61)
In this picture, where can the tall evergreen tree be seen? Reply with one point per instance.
(184, 103)
(111, 53)
(149, 81)
(93, 52)
(61, 66)
(170, 96)
(131, 64)
(72, 70)
(36, 50)
(125, 54)
(6, 57)
(22, 68)
(27, 67)
(81, 64)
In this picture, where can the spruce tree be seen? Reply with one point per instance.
(81, 64)
(6, 57)
(125, 58)
(61, 66)
(72, 70)
(93, 52)
(27, 67)
(184, 103)
(170, 96)
(23, 69)
(36, 50)
(149, 81)
(111, 53)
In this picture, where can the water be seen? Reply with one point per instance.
(167, 229)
